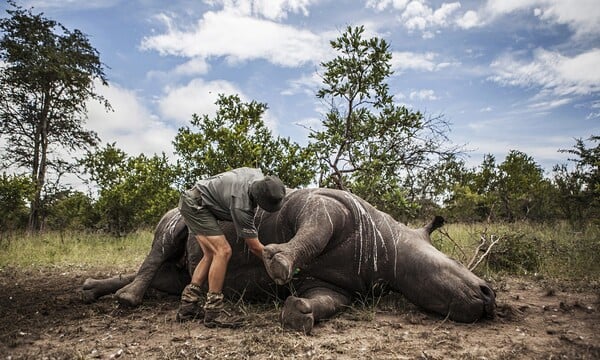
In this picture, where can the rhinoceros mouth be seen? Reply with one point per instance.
(489, 302)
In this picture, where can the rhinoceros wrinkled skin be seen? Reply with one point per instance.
(344, 248)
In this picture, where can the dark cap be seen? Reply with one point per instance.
(268, 193)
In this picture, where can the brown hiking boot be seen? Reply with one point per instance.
(190, 307)
(215, 314)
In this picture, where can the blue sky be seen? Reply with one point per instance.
(507, 74)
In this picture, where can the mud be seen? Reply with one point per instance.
(42, 317)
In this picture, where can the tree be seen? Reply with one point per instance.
(513, 190)
(579, 189)
(133, 192)
(71, 210)
(368, 144)
(47, 75)
(473, 196)
(521, 187)
(14, 191)
(237, 137)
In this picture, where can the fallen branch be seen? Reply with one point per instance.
(485, 254)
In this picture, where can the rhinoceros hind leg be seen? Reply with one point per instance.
(93, 289)
(169, 278)
(279, 265)
(301, 313)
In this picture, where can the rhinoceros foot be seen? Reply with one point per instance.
(279, 265)
(297, 315)
(128, 296)
(88, 291)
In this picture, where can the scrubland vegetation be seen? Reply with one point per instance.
(556, 251)
(401, 160)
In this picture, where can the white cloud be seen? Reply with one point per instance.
(418, 15)
(71, 4)
(549, 104)
(593, 115)
(238, 37)
(131, 125)
(402, 61)
(196, 97)
(468, 20)
(199, 97)
(306, 84)
(582, 16)
(554, 73)
(424, 94)
(270, 9)
(195, 66)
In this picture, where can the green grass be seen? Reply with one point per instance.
(557, 250)
(78, 248)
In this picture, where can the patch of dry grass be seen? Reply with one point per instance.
(78, 248)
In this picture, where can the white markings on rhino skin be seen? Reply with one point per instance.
(394, 231)
(170, 229)
(367, 229)
(315, 215)
(301, 212)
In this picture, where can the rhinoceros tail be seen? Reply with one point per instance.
(434, 224)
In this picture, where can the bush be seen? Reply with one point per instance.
(515, 252)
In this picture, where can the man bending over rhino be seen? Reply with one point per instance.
(231, 196)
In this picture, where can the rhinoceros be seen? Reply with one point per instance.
(343, 248)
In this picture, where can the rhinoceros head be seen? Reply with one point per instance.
(440, 284)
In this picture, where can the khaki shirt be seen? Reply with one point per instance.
(227, 196)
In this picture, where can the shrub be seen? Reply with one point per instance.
(515, 252)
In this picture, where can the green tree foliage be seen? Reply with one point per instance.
(237, 137)
(368, 144)
(521, 188)
(473, 196)
(47, 74)
(513, 190)
(133, 191)
(14, 192)
(71, 210)
(579, 189)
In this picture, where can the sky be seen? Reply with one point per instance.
(506, 74)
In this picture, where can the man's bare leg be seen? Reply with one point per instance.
(214, 316)
(191, 307)
(201, 271)
(221, 253)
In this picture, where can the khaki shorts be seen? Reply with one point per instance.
(198, 218)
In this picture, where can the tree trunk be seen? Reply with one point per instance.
(40, 165)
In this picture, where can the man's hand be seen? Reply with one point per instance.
(255, 246)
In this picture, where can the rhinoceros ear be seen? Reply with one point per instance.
(434, 224)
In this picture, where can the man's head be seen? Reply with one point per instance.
(268, 193)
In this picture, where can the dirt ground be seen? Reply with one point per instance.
(42, 317)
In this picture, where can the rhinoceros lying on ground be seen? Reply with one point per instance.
(344, 248)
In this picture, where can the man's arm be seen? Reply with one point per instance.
(255, 246)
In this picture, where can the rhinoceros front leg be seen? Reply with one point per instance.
(315, 225)
(301, 313)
